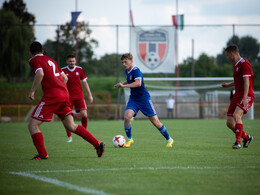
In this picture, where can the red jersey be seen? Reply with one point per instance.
(53, 86)
(242, 69)
(75, 76)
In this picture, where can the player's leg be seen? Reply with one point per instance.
(231, 123)
(155, 121)
(69, 136)
(67, 131)
(129, 113)
(37, 138)
(84, 118)
(81, 107)
(69, 124)
(238, 127)
(238, 114)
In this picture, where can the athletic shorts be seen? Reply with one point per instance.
(79, 104)
(146, 107)
(236, 101)
(44, 111)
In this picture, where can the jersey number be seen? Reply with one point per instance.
(53, 67)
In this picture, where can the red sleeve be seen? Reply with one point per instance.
(246, 69)
(83, 75)
(35, 65)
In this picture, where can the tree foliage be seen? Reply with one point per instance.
(15, 37)
(206, 66)
(65, 43)
(20, 10)
(248, 48)
(107, 65)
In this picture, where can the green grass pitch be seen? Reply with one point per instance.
(200, 162)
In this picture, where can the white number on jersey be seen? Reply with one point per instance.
(53, 67)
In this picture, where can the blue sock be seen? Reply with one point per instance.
(164, 132)
(128, 131)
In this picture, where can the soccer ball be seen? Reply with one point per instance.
(152, 59)
(119, 141)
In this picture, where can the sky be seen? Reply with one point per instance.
(210, 40)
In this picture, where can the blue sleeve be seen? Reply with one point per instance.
(138, 73)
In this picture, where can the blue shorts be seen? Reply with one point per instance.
(146, 107)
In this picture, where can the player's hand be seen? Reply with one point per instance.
(225, 85)
(31, 95)
(118, 85)
(244, 102)
(90, 99)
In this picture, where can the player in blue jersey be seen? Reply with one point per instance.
(139, 100)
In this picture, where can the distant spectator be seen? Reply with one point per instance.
(170, 105)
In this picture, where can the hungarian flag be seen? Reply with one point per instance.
(178, 21)
(74, 17)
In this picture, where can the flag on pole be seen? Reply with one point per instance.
(132, 18)
(74, 17)
(178, 21)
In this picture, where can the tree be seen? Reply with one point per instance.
(205, 66)
(256, 70)
(65, 40)
(109, 65)
(20, 10)
(248, 48)
(15, 38)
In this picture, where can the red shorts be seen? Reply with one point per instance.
(236, 101)
(78, 104)
(44, 111)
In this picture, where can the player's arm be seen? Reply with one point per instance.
(118, 85)
(246, 89)
(136, 83)
(64, 76)
(86, 86)
(225, 85)
(36, 82)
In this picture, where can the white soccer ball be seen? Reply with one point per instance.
(119, 141)
(152, 59)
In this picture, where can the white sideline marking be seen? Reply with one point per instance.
(142, 168)
(60, 183)
(99, 192)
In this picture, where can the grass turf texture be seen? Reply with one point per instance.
(200, 162)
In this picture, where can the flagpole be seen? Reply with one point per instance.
(177, 62)
(130, 27)
(76, 39)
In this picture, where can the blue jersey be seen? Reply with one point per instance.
(137, 93)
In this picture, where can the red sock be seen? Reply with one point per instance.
(84, 122)
(238, 132)
(86, 135)
(244, 135)
(39, 143)
(68, 133)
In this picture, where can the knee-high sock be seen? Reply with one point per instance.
(244, 135)
(39, 143)
(68, 133)
(238, 132)
(128, 131)
(84, 122)
(86, 135)
(164, 132)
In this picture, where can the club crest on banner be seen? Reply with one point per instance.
(152, 47)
